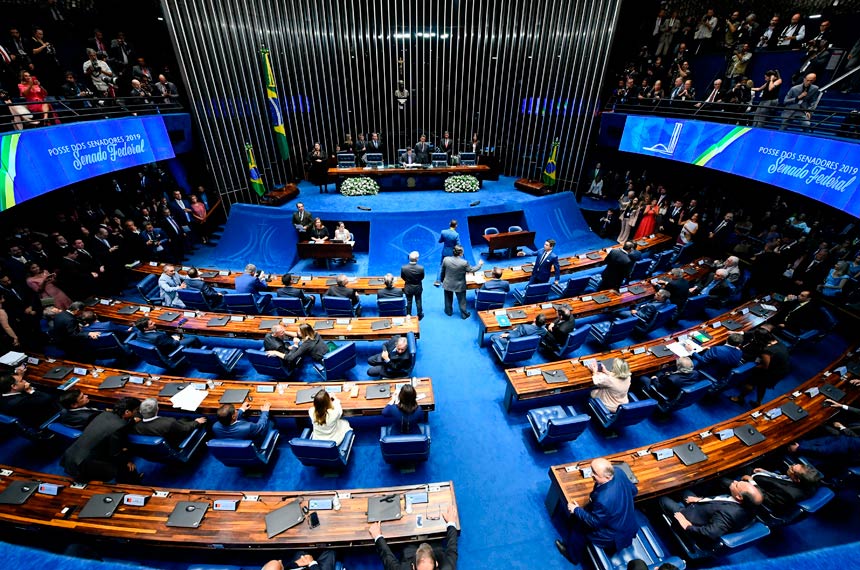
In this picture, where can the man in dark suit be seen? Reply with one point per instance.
(538, 327)
(155, 241)
(21, 400)
(23, 307)
(496, 283)
(180, 210)
(448, 238)
(340, 289)
(389, 291)
(454, 269)
(15, 263)
(73, 276)
(718, 361)
(608, 520)
(76, 414)
(395, 361)
(707, 519)
(175, 235)
(413, 275)
(164, 342)
(230, 424)
(288, 290)
(670, 384)
(716, 286)
(249, 282)
(798, 313)
(672, 219)
(446, 145)
(648, 310)
(559, 329)
(546, 261)
(302, 218)
(809, 273)
(67, 330)
(424, 557)
(173, 430)
(782, 492)
(422, 150)
(720, 237)
(618, 265)
(678, 288)
(195, 283)
(375, 145)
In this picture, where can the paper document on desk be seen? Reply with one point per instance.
(684, 349)
(188, 398)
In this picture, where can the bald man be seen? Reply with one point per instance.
(326, 561)
(799, 103)
(608, 519)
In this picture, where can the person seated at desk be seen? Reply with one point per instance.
(288, 290)
(173, 430)
(707, 519)
(326, 417)
(424, 556)
(678, 288)
(306, 342)
(230, 424)
(274, 340)
(389, 291)
(648, 310)
(496, 283)
(76, 413)
(100, 452)
(408, 158)
(608, 520)
(538, 327)
(718, 361)
(772, 364)
(250, 282)
(195, 283)
(403, 411)
(797, 314)
(164, 342)
(318, 232)
(670, 384)
(716, 286)
(21, 400)
(90, 323)
(343, 235)
(395, 360)
(558, 330)
(340, 289)
(781, 492)
(168, 284)
(325, 561)
(612, 385)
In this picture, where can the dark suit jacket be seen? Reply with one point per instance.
(719, 360)
(101, 441)
(242, 429)
(78, 418)
(32, 409)
(399, 364)
(392, 293)
(413, 275)
(648, 311)
(780, 495)
(797, 318)
(249, 284)
(618, 265)
(543, 267)
(305, 219)
(446, 558)
(679, 289)
(454, 271)
(670, 385)
(66, 328)
(610, 513)
(496, 285)
(713, 519)
(345, 292)
(316, 348)
(291, 292)
(559, 332)
(209, 293)
(273, 343)
(171, 429)
(162, 341)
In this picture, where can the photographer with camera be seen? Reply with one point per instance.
(77, 95)
(769, 97)
(99, 74)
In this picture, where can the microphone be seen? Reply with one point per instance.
(363, 208)
(475, 203)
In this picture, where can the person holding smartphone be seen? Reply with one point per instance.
(611, 385)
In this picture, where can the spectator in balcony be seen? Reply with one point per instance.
(668, 28)
(793, 34)
(77, 95)
(167, 90)
(705, 31)
(99, 74)
(800, 101)
(44, 57)
(714, 97)
(97, 43)
(770, 36)
(748, 31)
(835, 281)
(738, 64)
(30, 88)
(142, 72)
(140, 93)
(683, 71)
(630, 92)
(120, 53)
(733, 26)
(680, 55)
(654, 93)
(769, 97)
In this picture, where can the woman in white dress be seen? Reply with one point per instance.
(629, 218)
(688, 230)
(326, 418)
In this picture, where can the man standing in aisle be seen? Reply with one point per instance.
(449, 238)
(413, 275)
(454, 269)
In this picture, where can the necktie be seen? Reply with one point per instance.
(57, 15)
(5, 55)
(712, 96)
(719, 227)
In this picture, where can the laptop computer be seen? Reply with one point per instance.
(830, 391)
(732, 325)
(600, 299)
(564, 262)
(218, 321)
(17, 492)
(266, 324)
(130, 310)
(376, 281)
(306, 395)
(636, 289)
(625, 468)
(234, 396)
(528, 268)
(115, 381)
(323, 325)
(208, 274)
(660, 351)
(554, 376)
(284, 518)
(188, 514)
(749, 435)
(331, 282)
(488, 274)
(380, 325)
(759, 311)
(378, 391)
(594, 256)
(101, 506)
(793, 411)
(386, 508)
(689, 453)
(690, 270)
(168, 317)
(58, 372)
(516, 314)
(172, 389)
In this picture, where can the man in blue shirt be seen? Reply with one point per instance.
(448, 239)
(231, 425)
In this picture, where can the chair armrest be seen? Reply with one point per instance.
(306, 433)
(271, 436)
(600, 407)
(193, 436)
(49, 421)
(750, 534)
(64, 430)
(175, 352)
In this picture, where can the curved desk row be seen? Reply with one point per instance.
(280, 395)
(252, 326)
(584, 305)
(660, 477)
(526, 383)
(243, 528)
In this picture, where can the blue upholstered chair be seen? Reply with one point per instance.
(149, 289)
(515, 228)
(662, 261)
(392, 307)
(412, 448)
(337, 306)
(319, 453)
(732, 541)
(515, 349)
(156, 449)
(148, 353)
(688, 396)
(491, 231)
(646, 546)
(795, 341)
(608, 332)
(628, 414)
(244, 452)
(292, 306)
(664, 314)
(489, 300)
(268, 365)
(337, 363)
(572, 287)
(532, 293)
(640, 270)
(106, 345)
(246, 303)
(573, 341)
(555, 424)
(695, 307)
(64, 432)
(215, 360)
(736, 375)
(194, 300)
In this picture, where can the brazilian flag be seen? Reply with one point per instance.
(253, 173)
(275, 114)
(549, 169)
(8, 158)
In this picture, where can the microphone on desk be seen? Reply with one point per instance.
(475, 203)
(363, 208)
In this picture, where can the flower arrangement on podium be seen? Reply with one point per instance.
(359, 186)
(461, 183)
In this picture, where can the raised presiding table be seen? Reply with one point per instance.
(402, 178)
(582, 306)
(662, 476)
(282, 396)
(242, 528)
(325, 250)
(308, 283)
(509, 240)
(253, 326)
(569, 264)
(528, 383)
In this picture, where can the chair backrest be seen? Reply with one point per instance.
(106, 344)
(645, 546)
(152, 355)
(487, 300)
(575, 285)
(339, 361)
(663, 316)
(265, 364)
(412, 448)
(468, 158)
(391, 306)
(695, 306)
(345, 160)
(736, 375)
(288, 307)
(491, 231)
(234, 452)
(374, 158)
(632, 413)
(149, 290)
(194, 300)
(619, 329)
(536, 293)
(566, 429)
(640, 270)
(205, 360)
(573, 341)
(662, 261)
(520, 348)
(152, 448)
(689, 395)
(515, 228)
(337, 306)
(320, 453)
(241, 303)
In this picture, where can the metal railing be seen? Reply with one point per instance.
(15, 114)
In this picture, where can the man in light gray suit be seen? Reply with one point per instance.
(454, 269)
(170, 283)
(800, 101)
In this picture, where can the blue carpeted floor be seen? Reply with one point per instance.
(499, 474)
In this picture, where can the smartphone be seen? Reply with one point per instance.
(314, 520)
(419, 521)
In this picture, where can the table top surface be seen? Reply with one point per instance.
(396, 169)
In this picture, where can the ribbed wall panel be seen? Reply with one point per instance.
(520, 73)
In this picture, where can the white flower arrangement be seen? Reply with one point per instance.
(359, 186)
(462, 183)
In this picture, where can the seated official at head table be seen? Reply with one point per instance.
(408, 158)
(424, 556)
(231, 425)
(318, 232)
(327, 418)
(395, 360)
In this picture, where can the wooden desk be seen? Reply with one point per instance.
(326, 250)
(395, 177)
(249, 327)
(570, 264)
(283, 404)
(521, 386)
(308, 283)
(579, 306)
(509, 240)
(240, 529)
(670, 475)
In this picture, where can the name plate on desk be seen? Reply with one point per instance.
(49, 488)
(135, 500)
(661, 454)
(223, 273)
(237, 318)
(225, 505)
(725, 434)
